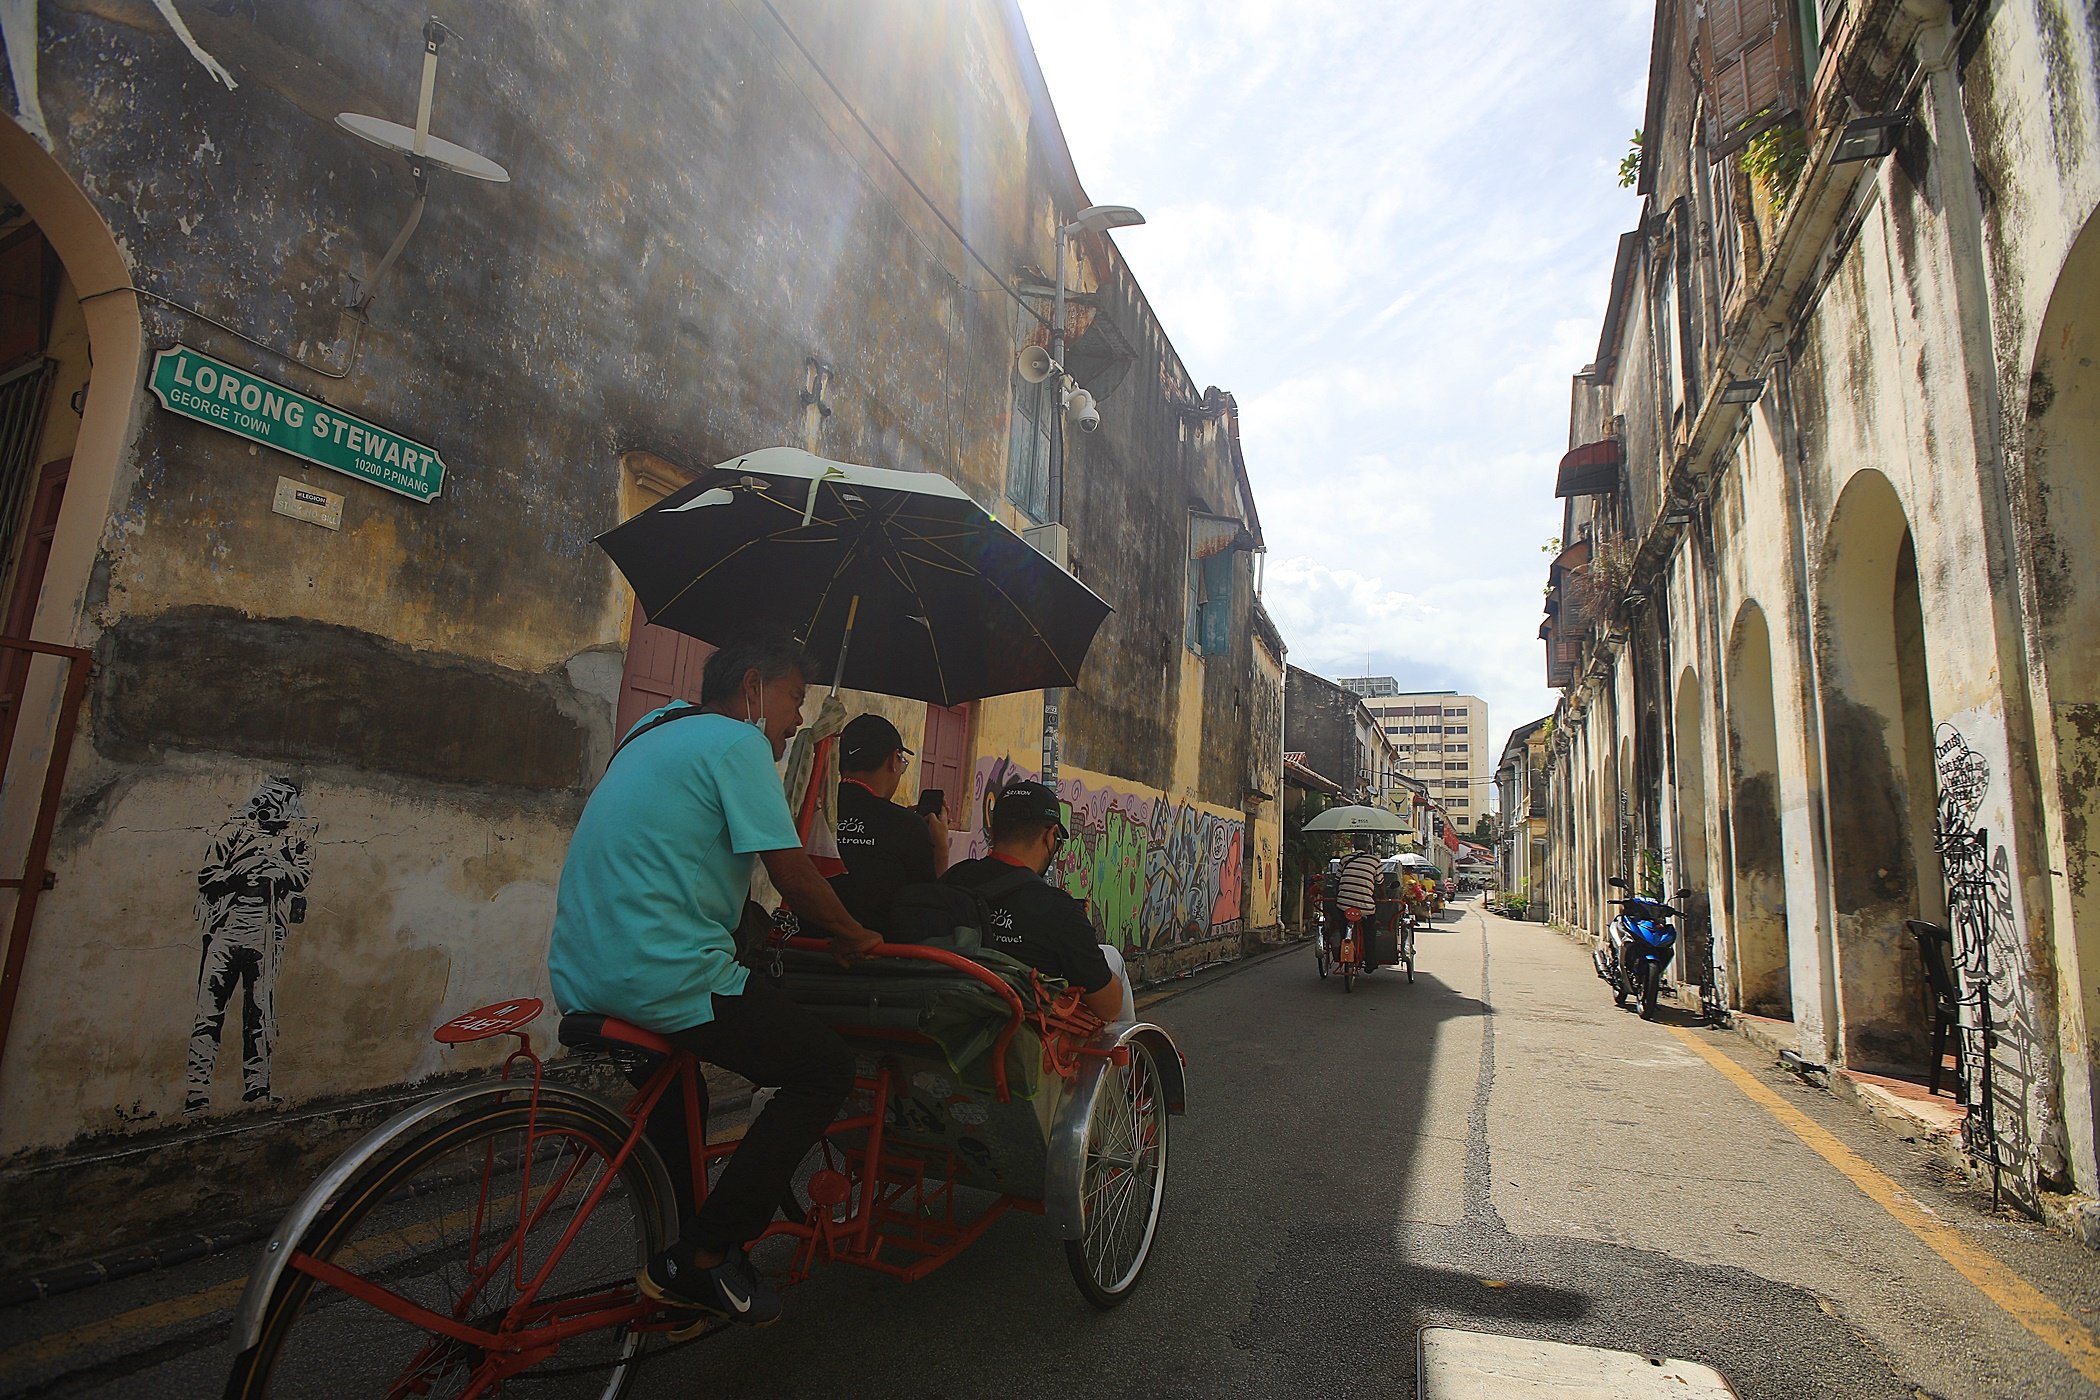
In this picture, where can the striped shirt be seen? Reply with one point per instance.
(1356, 887)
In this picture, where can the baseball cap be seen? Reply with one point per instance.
(1026, 800)
(867, 740)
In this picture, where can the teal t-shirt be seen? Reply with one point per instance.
(658, 871)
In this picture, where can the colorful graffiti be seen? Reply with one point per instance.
(1153, 872)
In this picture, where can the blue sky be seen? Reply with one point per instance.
(1387, 228)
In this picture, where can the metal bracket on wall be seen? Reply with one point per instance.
(424, 152)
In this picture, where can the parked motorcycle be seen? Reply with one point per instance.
(1637, 948)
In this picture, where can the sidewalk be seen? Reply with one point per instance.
(1908, 1108)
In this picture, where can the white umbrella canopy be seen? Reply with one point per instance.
(1357, 819)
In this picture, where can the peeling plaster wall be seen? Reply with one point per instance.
(692, 216)
(1896, 367)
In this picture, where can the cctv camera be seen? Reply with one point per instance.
(1089, 419)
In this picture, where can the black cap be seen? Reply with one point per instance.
(1028, 802)
(866, 741)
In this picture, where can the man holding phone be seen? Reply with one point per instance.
(885, 845)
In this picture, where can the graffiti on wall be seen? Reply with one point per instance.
(249, 893)
(2000, 1040)
(1153, 872)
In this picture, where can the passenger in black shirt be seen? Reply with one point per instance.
(1037, 923)
(885, 846)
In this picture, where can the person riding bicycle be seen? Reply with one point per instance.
(1035, 922)
(651, 892)
(1354, 885)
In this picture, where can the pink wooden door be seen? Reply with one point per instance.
(662, 666)
(941, 757)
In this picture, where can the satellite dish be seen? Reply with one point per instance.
(1036, 364)
(437, 151)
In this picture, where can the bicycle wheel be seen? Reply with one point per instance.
(458, 1219)
(1407, 955)
(1321, 957)
(1123, 1179)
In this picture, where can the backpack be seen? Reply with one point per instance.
(938, 914)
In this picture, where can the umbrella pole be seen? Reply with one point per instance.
(838, 673)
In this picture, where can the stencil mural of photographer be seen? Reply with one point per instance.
(249, 894)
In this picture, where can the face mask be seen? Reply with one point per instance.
(758, 721)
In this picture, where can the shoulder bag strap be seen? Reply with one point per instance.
(639, 730)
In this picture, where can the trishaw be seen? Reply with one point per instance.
(492, 1234)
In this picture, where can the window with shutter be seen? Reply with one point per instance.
(1750, 57)
(662, 666)
(1028, 448)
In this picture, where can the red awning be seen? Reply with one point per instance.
(1590, 470)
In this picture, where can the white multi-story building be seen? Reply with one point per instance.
(1442, 738)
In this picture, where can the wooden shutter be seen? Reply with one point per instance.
(942, 753)
(1750, 56)
(662, 666)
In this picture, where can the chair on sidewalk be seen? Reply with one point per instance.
(1936, 952)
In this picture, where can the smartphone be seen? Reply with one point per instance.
(931, 800)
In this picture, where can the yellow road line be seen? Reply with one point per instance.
(174, 1312)
(153, 1317)
(2020, 1300)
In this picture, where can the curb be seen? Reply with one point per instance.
(1193, 979)
(166, 1253)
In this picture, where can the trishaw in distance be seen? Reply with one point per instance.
(492, 1233)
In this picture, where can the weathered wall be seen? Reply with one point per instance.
(692, 218)
(1320, 721)
(1158, 875)
(1891, 549)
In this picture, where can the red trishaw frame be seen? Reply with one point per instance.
(907, 1203)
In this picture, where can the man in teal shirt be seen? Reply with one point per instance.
(644, 930)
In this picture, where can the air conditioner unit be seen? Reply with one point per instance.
(1052, 541)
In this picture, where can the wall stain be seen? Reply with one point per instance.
(211, 679)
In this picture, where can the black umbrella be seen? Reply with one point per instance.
(939, 601)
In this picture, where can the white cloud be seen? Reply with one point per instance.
(1388, 229)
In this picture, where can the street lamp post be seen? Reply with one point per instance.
(1098, 218)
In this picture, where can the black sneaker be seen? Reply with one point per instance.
(731, 1290)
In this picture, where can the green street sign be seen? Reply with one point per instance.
(213, 392)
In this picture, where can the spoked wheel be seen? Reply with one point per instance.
(1123, 1179)
(1324, 958)
(1407, 952)
(1349, 977)
(458, 1220)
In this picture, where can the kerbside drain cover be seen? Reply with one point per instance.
(1461, 1365)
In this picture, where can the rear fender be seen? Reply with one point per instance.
(306, 1211)
(1066, 1163)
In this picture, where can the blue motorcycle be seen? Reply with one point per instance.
(1637, 948)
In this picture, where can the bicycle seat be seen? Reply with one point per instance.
(594, 1030)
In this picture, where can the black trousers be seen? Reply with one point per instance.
(768, 1039)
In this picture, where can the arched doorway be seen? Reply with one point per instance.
(71, 346)
(1878, 731)
(2061, 503)
(1763, 977)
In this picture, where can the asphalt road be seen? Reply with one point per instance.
(1492, 1147)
